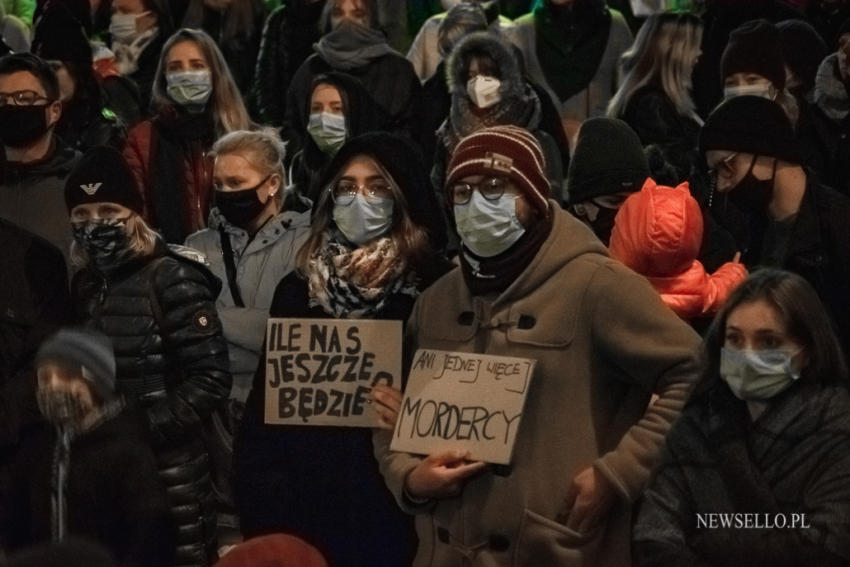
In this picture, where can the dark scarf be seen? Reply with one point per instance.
(351, 46)
(496, 274)
(355, 283)
(523, 111)
(182, 137)
(570, 43)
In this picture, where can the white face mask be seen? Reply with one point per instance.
(484, 91)
(757, 374)
(764, 90)
(362, 220)
(189, 87)
(327, 130)
(123, 27)
(488, 228)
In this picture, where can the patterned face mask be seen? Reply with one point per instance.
(105, 240)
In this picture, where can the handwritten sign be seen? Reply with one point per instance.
(320, 371)
(463, 401)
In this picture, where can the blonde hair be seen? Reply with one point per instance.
(410, 239)
(228, 109)
(142, 242)
(664, 54)
(263, 149)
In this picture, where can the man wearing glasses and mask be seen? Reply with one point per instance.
(791, 220)
(34, 162)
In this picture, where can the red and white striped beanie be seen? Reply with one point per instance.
(503, 150)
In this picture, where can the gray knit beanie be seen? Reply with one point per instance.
(76, 346)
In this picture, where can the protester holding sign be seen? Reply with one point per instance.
(369, 254)
(535, 283)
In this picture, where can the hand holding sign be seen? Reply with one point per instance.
(463, 401)
(441, 475)
(386, 401)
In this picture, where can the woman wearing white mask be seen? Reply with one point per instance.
(196, 102)
(338, 110)
(138, 29)
(488, 89)
(368, 256)
(766, 446)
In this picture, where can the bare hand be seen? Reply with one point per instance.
(737, 258)
(441, 475)
(588, 502)
(387, 403)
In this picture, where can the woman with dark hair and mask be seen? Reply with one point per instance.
(766, 444)
(196, 102)
(369, 254)
(250, 244)
(138, 30)
(158, 309)
(353, 43)
(339, 108)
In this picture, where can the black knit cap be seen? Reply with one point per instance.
(803, 49)
(403, 161)
(753, 125)
(608, 159)
(102, 176)
(755, 47)
(61, 36)
(80, 347)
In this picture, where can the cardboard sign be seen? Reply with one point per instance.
(320, 371)
(458, 400)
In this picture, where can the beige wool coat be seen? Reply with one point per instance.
(604, 343)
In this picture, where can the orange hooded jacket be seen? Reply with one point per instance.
(657, 233)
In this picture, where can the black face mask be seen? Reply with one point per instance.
(22, 125)
(241, 207)
(753, 195)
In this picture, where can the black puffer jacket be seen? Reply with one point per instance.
(172, 359)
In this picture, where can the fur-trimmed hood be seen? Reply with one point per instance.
(485, 42)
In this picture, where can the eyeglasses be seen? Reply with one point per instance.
(21, 98)
(345, 191)
(723, 167)
(491, 188)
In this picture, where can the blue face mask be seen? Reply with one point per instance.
(327, 130)
(188, 88)
(488, 228)
(362, 220)
(757, 375)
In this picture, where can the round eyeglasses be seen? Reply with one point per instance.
(21, 98)
(345, 191)
(491, 188)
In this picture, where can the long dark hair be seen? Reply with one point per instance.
(804, 316)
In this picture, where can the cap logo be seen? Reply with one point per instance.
(498, 162)
(90, 188)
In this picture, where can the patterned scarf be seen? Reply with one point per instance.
(356, 283)
(464, 119)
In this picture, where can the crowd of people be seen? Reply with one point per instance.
(649, 200)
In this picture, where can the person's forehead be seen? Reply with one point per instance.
(20, 81)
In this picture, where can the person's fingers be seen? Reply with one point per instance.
(737, 258)
(387, 397)
(449, 458)
(576, 517)
(466, 470)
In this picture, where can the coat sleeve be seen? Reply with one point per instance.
(395, 466)
(652, 348)
(137, 154)
(273, 65)
(721, 283)
(659, 538)
(194, 340)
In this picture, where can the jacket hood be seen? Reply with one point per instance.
(58, 163)
(402, 160)
(489, 45)
(658, 230)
